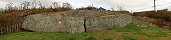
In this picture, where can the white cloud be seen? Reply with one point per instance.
(2, 4)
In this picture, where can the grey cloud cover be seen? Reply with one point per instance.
(134, 5)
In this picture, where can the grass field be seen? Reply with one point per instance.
(130, 32)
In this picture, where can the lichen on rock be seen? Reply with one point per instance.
(76, 21)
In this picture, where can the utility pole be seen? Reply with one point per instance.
(155, 5)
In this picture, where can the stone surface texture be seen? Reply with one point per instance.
(75, 21)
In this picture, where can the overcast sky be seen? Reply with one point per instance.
(131, 5)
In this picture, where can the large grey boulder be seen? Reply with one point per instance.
(107, 22)
(44, 23)
(75, 21)
(74, 24)
(53, 23)
(80, 13)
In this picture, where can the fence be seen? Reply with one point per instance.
(10, 26)
(10, 29)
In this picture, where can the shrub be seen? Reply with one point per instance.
(161, 17)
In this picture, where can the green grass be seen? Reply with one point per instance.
(150, 31)
(130, 32)
(129, 38)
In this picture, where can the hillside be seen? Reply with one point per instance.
(83, 25)
(161, 18)
(129, 32)
(36, 20)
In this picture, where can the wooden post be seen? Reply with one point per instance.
(10, 28)
(1, 31)
(17, 27)
(7, 29)
(14, 28)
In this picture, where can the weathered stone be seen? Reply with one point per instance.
(80, 13)
(53, 23)
(75, 21)
(107, 22)
(74, 24)
(44, 23)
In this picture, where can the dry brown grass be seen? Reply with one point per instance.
(161, 17)
(12, 17)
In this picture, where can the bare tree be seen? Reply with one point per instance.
(9, 6)
(121, 8)
(15, 8)
(24, 5)
(112, 9)
(1, 10)
(56, 4)
(28, 4)
(40, 5)
(66, 5)
(51, 7)
(33, 4)
(21, 6)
